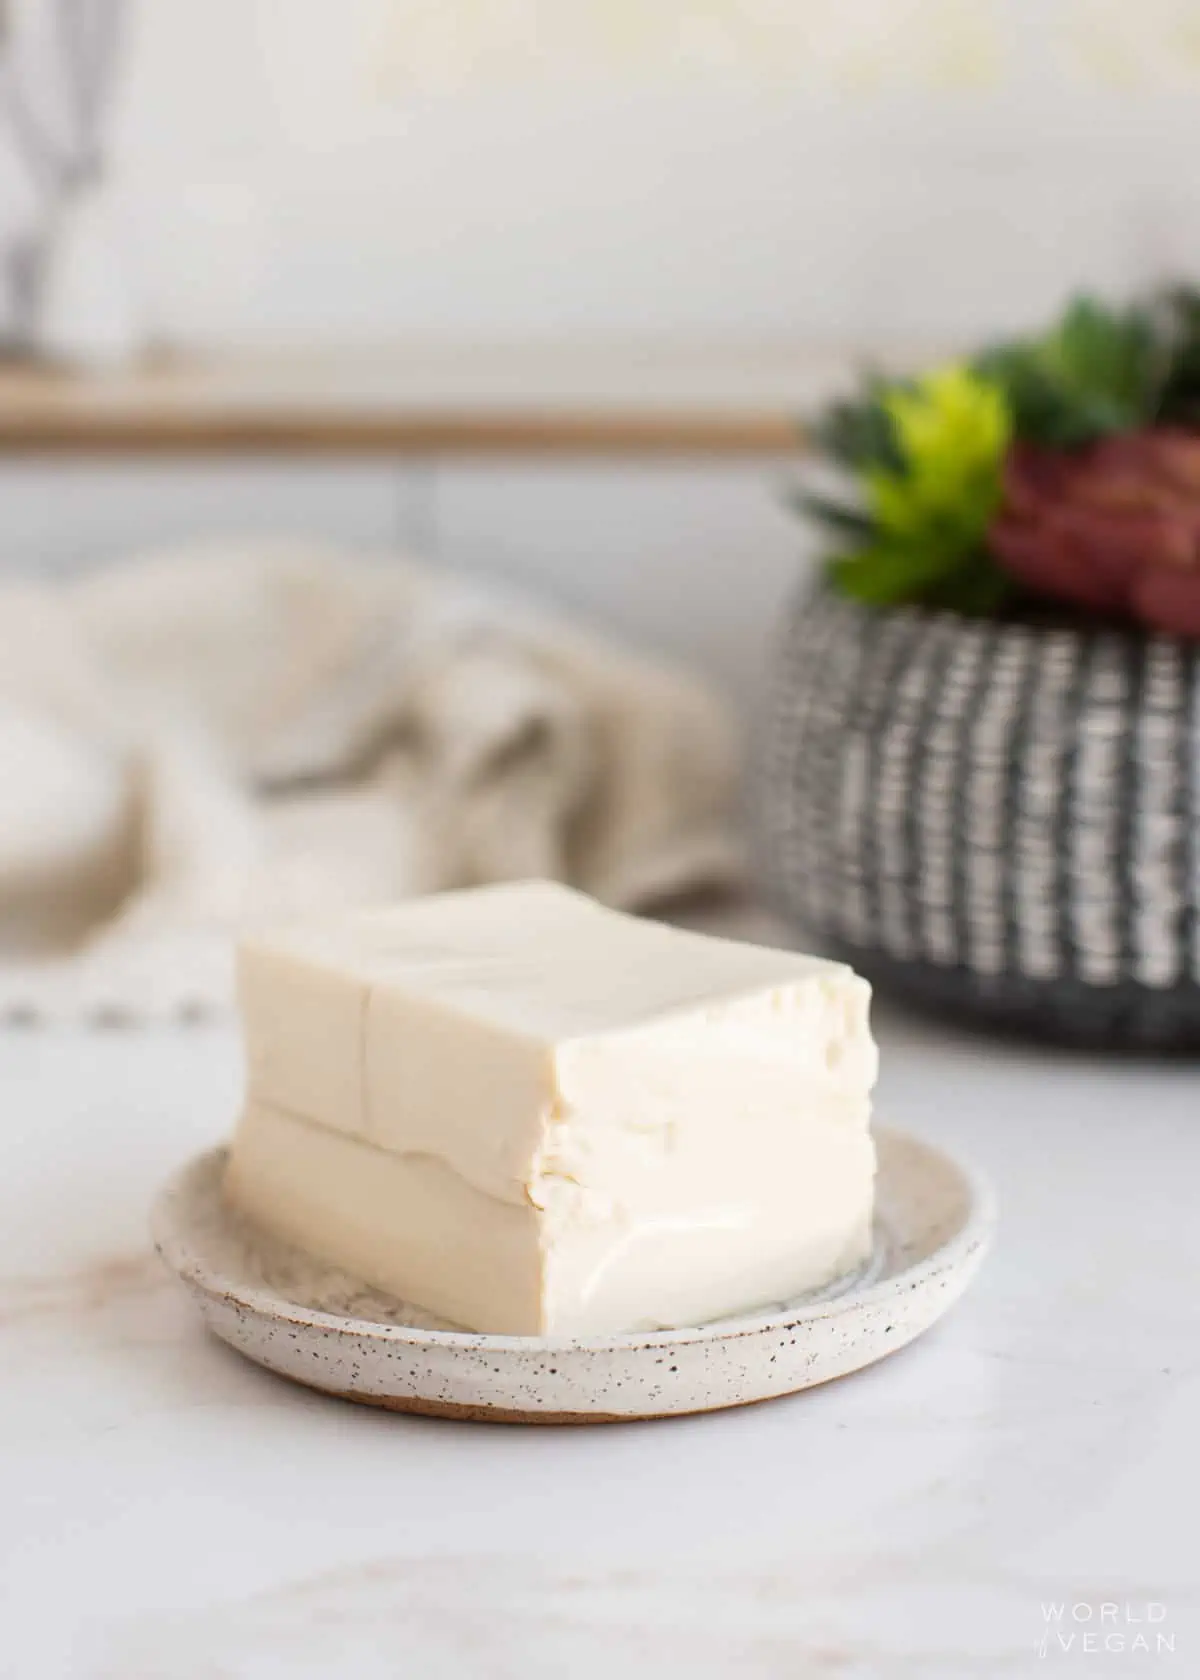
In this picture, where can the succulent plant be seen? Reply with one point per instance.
(1113, 528)
(928, 495)
(1064, 467)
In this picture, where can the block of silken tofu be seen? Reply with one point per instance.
(531, 1115)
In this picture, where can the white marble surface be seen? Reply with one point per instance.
(168, 1512)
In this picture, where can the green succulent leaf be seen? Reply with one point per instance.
(978, 590)
(928, 508)
(1097, 372)
(887, 573)
(857, 432)
(839, 518)
(1179, 402)
(952, 432)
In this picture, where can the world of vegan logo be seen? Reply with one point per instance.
(1106, 1628)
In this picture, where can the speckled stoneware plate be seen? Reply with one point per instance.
(306, 1321)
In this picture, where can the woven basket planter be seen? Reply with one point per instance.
(996, 818)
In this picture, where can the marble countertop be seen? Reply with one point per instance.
(168, 1512)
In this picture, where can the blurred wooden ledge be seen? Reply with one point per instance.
(618, 400)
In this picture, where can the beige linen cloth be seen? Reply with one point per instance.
(197, 742)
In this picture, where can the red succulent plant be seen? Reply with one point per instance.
(1113, 527)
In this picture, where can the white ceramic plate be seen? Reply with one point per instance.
(306, 1321)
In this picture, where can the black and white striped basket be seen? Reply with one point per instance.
(998, 818)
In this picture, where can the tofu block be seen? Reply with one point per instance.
(534, 1116)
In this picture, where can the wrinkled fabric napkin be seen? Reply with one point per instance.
(199, 742)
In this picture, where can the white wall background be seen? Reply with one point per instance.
(517, 168)
(727, 170)
(742, 168)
